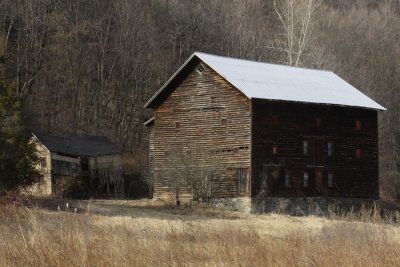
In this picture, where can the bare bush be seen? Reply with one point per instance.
(192, 173)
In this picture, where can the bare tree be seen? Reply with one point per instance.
(296, 19)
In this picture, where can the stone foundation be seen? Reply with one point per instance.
(237, 204)
(300, 206)
(318, 206)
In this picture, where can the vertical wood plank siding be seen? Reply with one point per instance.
(286, 125)
(207, 117)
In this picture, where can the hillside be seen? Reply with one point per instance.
(87, 67)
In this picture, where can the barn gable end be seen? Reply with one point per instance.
(202, 127)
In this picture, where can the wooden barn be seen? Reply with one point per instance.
(262, 129)
(95, 160)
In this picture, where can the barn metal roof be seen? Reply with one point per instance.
(80, 146)
(279, 82)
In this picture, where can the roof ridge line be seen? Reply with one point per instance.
(263, 62)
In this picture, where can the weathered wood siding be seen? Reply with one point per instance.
(112, 161)
(287, 125)
(43, 187)
(204, 116)
(151, 149)
(107, 169)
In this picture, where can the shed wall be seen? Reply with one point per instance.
(105, 161)
(43, 187)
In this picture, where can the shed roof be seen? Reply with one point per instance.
(80, 146)
(279, 82)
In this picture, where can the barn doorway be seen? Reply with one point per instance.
(313, 149)
(271, 179)
(318, 180)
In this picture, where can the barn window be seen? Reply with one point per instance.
(42, 162)
(330, 149)
(177, 124)
(224, 121)
(287, 179)
(275, 119)
(305, 148)
(330, 179)
(213, 99)
(318, 121)
(305, 179)
(200, 68)
(358, 125)
(274, 149)
(242, 176)
(358, 153)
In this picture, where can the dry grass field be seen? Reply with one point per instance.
(147, 233)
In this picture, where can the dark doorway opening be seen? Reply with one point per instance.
(313, 147)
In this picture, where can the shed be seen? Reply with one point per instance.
(93, 159)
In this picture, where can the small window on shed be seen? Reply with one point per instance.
(224, 121)
(84, 165)
(318, 121)
(358, 125)
(274, 149)
(242, 176)
(177, 124)
(287, 179)
(330, 149)
(305, 179)
(330, 179)
(358, 153)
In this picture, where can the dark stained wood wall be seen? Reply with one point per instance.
(204, 116)
(286, 124)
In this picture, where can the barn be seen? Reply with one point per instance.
(62, 160)
(234, 129)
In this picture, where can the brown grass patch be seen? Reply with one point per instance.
(33, 237)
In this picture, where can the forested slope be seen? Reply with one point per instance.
(87, 67)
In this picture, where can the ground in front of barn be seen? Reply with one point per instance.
(50, 232)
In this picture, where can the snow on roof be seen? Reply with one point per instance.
(285, 83)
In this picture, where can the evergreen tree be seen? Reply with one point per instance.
(17, 156)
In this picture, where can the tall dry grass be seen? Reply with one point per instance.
(32, 237)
